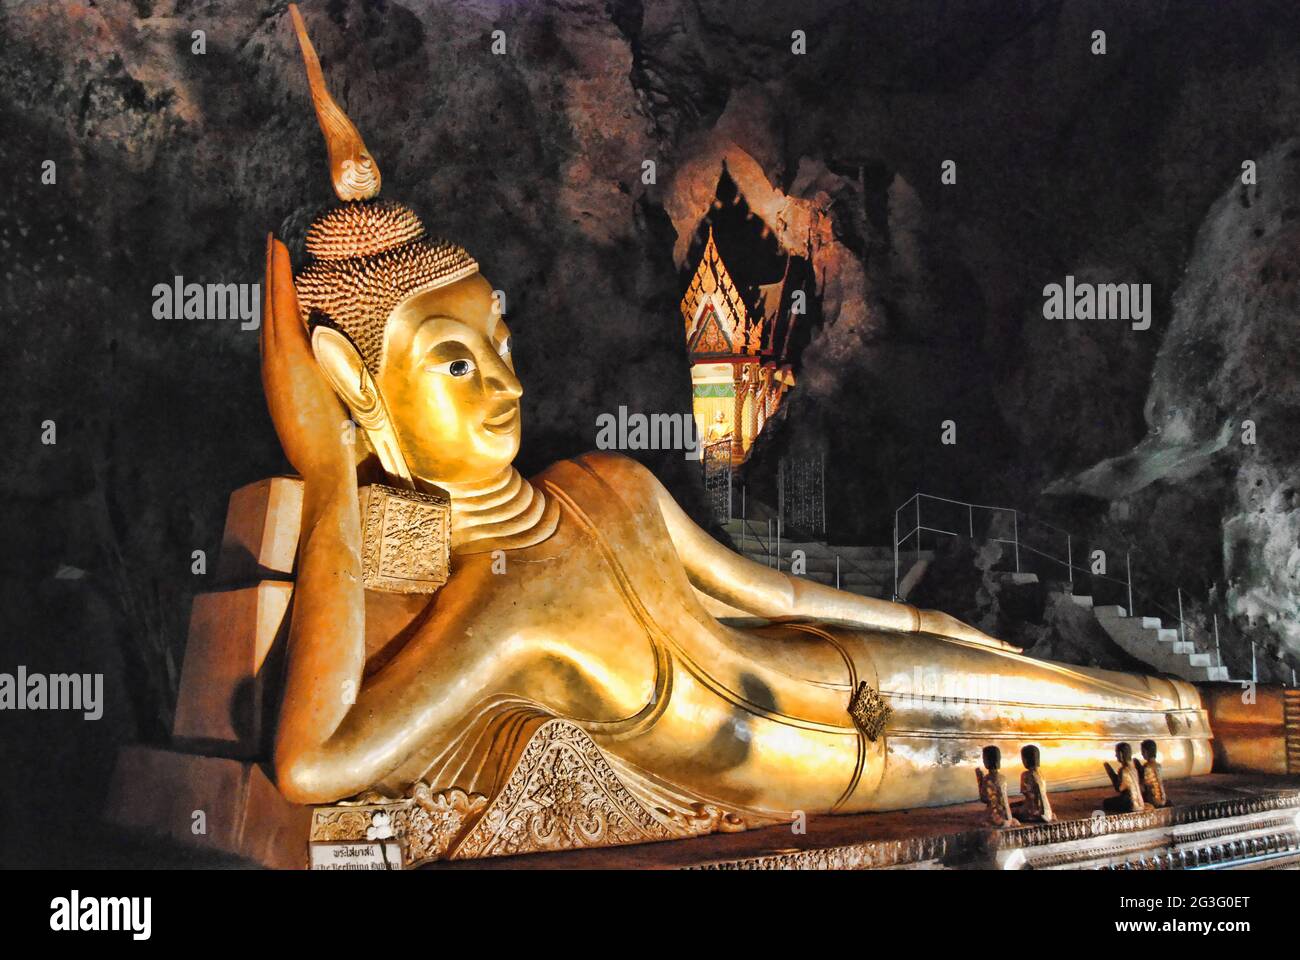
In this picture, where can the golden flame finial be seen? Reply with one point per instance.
(352, 169)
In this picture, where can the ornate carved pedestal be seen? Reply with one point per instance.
(562, 794)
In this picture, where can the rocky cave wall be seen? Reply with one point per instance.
(1123, 168)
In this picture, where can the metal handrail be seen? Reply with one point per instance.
(918, 527)
(766, 545)
(1185, 628)
(771, 552)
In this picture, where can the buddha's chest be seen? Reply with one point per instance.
(568, 623)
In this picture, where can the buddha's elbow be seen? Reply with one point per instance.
(303, 777)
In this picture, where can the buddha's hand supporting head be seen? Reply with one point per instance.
(306, 411)
(444, 404)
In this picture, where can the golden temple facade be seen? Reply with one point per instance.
(737, 378)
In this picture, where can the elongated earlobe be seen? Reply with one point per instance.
(347, 374)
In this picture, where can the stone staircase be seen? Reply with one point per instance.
(867, 571)
(1150, 641)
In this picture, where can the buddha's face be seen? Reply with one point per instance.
(449, 383)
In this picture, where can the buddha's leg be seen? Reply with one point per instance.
(949, 699)
(763, 723)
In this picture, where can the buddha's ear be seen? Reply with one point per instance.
(346, 371)
(342, 366)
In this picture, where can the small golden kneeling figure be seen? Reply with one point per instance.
(1126, 782)
(1033, 805)
(1149, 770)
(993, 789)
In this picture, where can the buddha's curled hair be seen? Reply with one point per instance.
(366, 258)
(367, 255)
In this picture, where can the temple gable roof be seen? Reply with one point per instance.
(712, 286)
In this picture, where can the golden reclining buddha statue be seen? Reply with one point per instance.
(585, 622)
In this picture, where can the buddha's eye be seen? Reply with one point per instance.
(453, 368)
(504, 348)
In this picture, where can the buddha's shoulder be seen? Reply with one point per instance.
(615, 470)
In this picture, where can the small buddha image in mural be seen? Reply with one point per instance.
(719, 429)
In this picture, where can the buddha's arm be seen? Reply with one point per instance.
(1005, 802)
(326, 646)
(734, 580)
(1040, 795)
(330, 742)
(337, 736)
(327, 629)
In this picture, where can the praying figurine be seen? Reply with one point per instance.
(993, 789)
(1033, 805)
(1153, 784)
(1126, 783)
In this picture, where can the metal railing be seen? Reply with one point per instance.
(770, 542)
(746, 527)
(993, 523)
(766, 540)
(919, 526)
(1007, 525)
(1020, 525)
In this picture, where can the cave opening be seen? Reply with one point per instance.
(748, 311)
